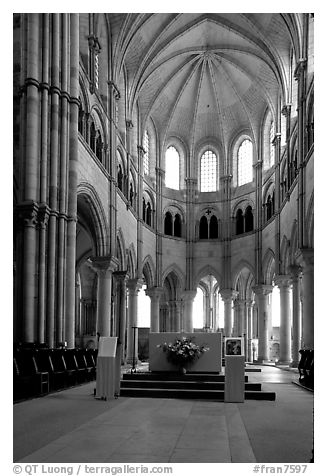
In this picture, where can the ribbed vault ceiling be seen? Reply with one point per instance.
(201, 75)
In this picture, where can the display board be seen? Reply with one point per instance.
(210, 361)
(107, 346)
(234, 346)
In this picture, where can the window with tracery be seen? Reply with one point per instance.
(172, 168)
(146, 156)
(272, 147)
(244, 162)
(208, 172)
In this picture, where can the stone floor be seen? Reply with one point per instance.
(71, 426)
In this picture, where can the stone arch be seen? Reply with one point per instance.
(268, 267)
(285, 257)
(131, 262)
(239, 267)
(121, 250)
(149, 271)
(205, 271)
(174, 268)
(92, 214)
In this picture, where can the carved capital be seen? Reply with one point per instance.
(134, 285)
(262, 289)
(104, 265)
(129, 124)
(27, 213)
(228, 294)
(282, 281)
(155, 293)
(43, 214)
(188, 295)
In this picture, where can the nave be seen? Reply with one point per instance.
(167, 430)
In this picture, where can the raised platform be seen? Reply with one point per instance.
(191, 385)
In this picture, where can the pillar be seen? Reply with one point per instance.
(261, 292)
(249, 328)
(155, 294)
(283, 282)
(295, 272)
(187, 317)
(228, 295)
(104, 266)
(305, 259)
(133, 287)
(120, 277)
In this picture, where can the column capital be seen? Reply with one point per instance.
(282, 280)
(134, 285)
(262, 289)
(228, 294)
(305, 258)
(120, 276)
(294, 271)
(239, 302)
(188, 295)
(104, 265)
(154, 293)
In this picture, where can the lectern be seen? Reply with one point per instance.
(234, 378)
(106, 378)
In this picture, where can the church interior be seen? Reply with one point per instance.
(163, 175)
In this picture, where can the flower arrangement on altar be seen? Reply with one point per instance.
(183, 351)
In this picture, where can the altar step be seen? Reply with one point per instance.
(173, 376)
(180, 384)
(193, 386)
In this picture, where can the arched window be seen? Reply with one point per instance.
(248, 219)
(239, 222)
(213, 227)
(172, 168)
(131, 194)
(178, 225)
(120, 177)
(203, 228)
(272, 147)
(148, 214)
(168, 224)
(143, 209)
(98, 146)
(146, 157)
(269, 208)
(244, 162)
(208, 172)
(93, 136)
(81, 117)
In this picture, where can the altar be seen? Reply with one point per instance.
(209, 361)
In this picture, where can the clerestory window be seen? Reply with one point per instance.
(244, 162)
(208, 172)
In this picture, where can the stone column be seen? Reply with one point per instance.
(239, 320)
(177, 318)
(155, 294)
(261, 291)
(187, 318)
(28, 214)
(249, 328)
(283, 282)
(228, 296)
(120, 277)
(133, 287)
(104, 266)
(305, 258)
(295, 272)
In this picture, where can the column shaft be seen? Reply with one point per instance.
(262, 292)
(133, 286)
(285, 319)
